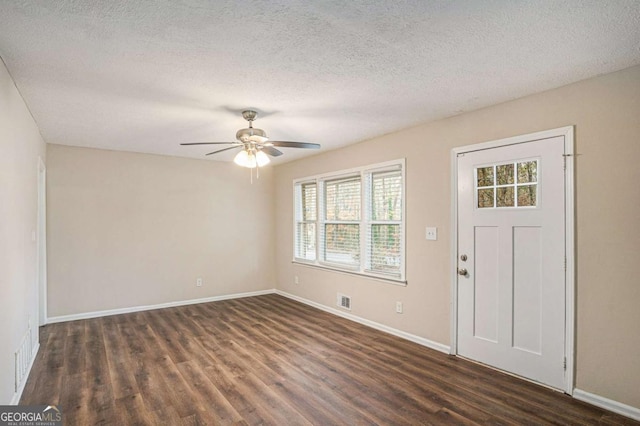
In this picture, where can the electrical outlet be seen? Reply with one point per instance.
(199, 282)
(399, 307)
(296, 280)
(432, 233)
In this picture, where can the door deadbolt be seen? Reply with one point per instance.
(463, 257)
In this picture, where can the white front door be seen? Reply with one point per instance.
(511, 243)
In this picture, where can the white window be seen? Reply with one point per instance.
(340, 221)
(353, 221)
(306, 216)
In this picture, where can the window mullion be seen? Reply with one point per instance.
(315, 221)
(320, 217)
(364, 217)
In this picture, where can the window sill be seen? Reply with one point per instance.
(381, 278)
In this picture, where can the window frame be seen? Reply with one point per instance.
(322, 223)
(364, 223)
(299, 216)
(370, 222)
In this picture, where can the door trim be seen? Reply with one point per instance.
(569, 213)
(41, 238)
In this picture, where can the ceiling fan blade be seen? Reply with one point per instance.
(271, 151)
(286, 144)
(209, 143)
(226, 149)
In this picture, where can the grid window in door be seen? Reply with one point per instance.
(507, 185)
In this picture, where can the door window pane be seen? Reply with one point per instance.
(485, 198)
(505, 174)
(528, 172)
(485, 176)
(504, 197)
(527, 195)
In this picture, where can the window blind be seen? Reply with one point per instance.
(384, 224)
(306, 215)
(340, 229)
(353, 220)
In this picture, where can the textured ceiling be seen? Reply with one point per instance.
(146, 75)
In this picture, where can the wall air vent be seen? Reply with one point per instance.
(344, 301)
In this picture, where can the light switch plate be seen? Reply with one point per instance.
(432, 233)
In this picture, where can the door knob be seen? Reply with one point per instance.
(462, 271)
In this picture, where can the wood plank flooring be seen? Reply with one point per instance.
(271, 360)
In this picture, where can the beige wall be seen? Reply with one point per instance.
(606, 115)
(20, 147)
(134, 229)
(128, 229)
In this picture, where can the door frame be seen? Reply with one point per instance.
(41, 244)
(569, 213)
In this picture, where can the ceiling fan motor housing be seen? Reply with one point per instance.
(251, 134)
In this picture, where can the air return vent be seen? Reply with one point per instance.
(344, 301)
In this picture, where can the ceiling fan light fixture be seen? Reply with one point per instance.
(245, 160)
(262, 159)
(250, 159)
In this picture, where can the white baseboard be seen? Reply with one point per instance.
(607, 404)
(16, 396)
(399, 333)
(97, 314)
(408, 336)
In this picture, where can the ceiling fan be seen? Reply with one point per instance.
(255, 145)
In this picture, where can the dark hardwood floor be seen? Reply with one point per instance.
(271, 360)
